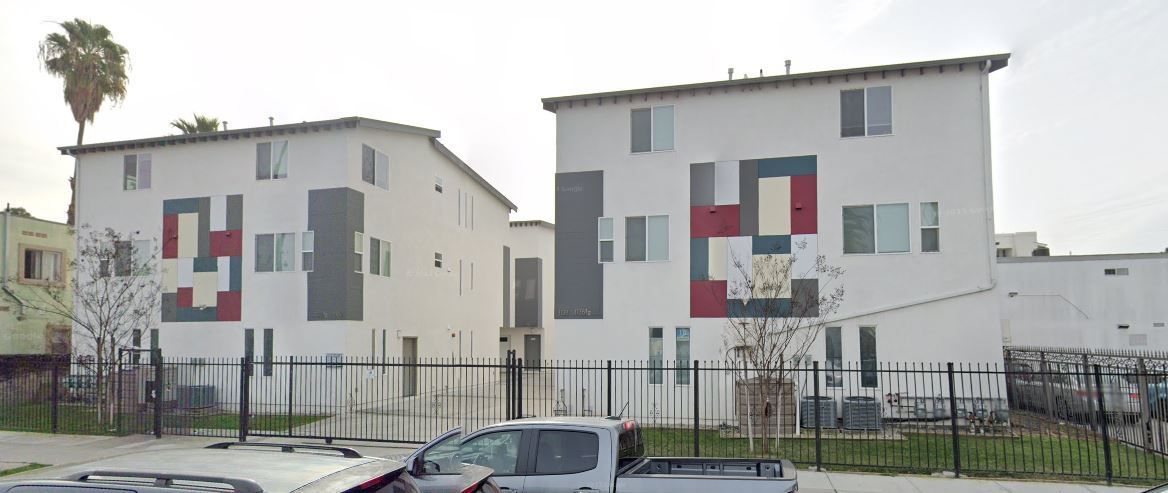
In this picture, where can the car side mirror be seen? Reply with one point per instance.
(418, 466)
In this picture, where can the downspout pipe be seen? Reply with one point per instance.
(987, 173)
(4, 260)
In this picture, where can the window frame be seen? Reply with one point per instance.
(275, 252)
(874, 372)
(272, 160)
(438, 260)
(646, 217)
(611, 240)
(138, 172)
(307, 252)
(60, 270)
(653, 129)
(921, 216)
(383, 267)
(867, 123)
(359, 251)
(377, 154)
(876, 229)
(682, 367)
(657, 365)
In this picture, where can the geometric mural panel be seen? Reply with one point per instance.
(202, 251)
(746, 217)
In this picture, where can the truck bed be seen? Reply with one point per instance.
(688, 474)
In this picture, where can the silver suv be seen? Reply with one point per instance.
(240, 468)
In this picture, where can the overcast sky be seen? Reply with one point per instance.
(1077, 117)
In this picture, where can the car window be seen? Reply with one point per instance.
(498, 451)
(443, 457)
(566, 452)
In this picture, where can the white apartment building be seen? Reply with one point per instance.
(352, 237)
(1085, 301)
(1020, 244)
(529, 327)
(884, 171)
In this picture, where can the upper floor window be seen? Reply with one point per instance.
(272, 160)
(307, 251)
(646, 238)
(358, 251)
(866, 111)
(604, 239)
(43, 266)
(275, 252)
(374, 167)
(438, 260)
(652, 129)
(438, 184)
(136, 172)
(879, 228)
(930, 227)
(379, 257)
(1119, 271)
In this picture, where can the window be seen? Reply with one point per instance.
(374, 167)
(269, 352)
(442, 457)
(378, 257)
(140, 257)
(154, 343)
(438, 184)
(136, 172)
(868, 376)
(835, 357)
(876, 229)
(866, 111)
(437, 260)
(930, 227)
(275, 252)
(42, 266)
(307, 253)
(652, 129)
(498, 451)
(656, 358)
(646, 238)
(249, 345)
(604, 239)
(1119, 271)
(566, 452)
(358, 251)
(682, 345)
(272, 160)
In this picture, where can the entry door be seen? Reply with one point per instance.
(531, 351)
(409, 373)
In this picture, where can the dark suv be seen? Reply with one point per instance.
(238, 468)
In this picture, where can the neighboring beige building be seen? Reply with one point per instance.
(34, 253)
(1021, 244)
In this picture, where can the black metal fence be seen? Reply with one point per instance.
(1040, 413)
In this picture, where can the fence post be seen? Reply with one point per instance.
(696, 411)
(1145, 404)
(55, 395)
(818, 437)
(244, 397)
(159, 386)
(1090, 402)
(291, 368)
(1103, 423)
(1047, 395)
(953, 423)
(608, 398)
(519, 388)
(510, 378)
(120, 398)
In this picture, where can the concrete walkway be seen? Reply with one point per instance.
(18, 449)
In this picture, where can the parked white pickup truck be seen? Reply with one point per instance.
(590, 455)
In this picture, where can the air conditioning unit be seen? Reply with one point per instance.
(826, 408)
(195, 396)
(862, 413)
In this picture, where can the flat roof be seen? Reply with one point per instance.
(996, 61)
(1077, 258)
(532, 222)
(288, 129)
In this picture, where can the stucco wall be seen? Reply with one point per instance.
(24, 330)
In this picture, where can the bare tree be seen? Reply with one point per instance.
(112, 293)
(776, 308)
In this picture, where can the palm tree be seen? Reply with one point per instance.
(200, 124)
(93, 68)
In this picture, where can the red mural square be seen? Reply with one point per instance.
(707, 298)
(803, 210)
(170, 236)
(228, 305)
(186, 297)
(714, 220)
(227, 243)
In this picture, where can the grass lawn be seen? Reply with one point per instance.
(924, 453)
(18, 470)
(81, 420)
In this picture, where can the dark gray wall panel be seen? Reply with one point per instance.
(335, 291)
(528, 292)
(234, 212)
(701, 184)
(748, 197)
(506, 286)
(579, 277)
